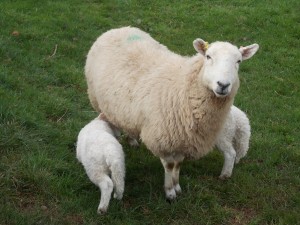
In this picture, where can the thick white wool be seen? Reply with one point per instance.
(177, 105)
(155, 94)
(233, 140)
(103, 159)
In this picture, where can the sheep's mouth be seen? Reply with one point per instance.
(221, 93)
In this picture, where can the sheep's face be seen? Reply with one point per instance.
(221, 65)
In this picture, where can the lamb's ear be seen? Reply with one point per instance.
(102, 117)
(248, 51)
(200, 46)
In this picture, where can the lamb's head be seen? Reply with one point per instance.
(221, 65)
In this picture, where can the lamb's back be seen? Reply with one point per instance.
(97, 145)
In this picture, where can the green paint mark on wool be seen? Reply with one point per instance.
(134, 37)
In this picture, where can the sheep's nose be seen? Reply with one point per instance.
(222, 85)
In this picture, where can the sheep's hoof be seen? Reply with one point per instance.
(178, 189)
(170, 201)
(170, 195)
(102, 211)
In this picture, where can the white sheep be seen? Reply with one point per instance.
(233, 140)
(176, 105)
(102, 156)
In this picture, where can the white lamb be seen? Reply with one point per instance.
(233, 141)
(176, 105)
(102, 156)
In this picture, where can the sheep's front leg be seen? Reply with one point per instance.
(168, 165)
(175, 177)
(172, 170)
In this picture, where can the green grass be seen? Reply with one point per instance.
(43, 105)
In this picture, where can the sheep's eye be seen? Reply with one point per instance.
(208, 57)
(239, 61)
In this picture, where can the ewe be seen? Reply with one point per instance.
(102, 155)
(176, 105)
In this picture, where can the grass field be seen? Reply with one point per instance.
(43, 105)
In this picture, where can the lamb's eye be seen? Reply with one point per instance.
(239, 61)
(208, 57)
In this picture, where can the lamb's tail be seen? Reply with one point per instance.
(242, 137)
(118, 178)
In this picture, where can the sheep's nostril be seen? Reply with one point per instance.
(222, 85)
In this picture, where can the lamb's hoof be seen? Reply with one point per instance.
(237, 160)
(102, 211)
(224, 176)
(118, 196)
(170, 195)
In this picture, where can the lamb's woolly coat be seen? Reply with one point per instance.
(236, 131)
(102, 157)
(233, 140)
(151, 92)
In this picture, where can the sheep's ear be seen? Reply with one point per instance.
(248, 51)
(200, 46)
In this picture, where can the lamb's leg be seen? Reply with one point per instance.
(118, 176)
(106, 186)
(168, 165)
(229, 156)
(241, 145)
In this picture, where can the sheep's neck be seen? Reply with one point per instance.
(205, 106)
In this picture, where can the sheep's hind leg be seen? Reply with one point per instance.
(168, 165)
(106, 186)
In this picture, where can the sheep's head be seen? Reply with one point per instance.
(221, 64)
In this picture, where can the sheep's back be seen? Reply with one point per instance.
(126, 70)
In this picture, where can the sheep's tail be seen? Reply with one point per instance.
(118, 178)
(242, 138)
